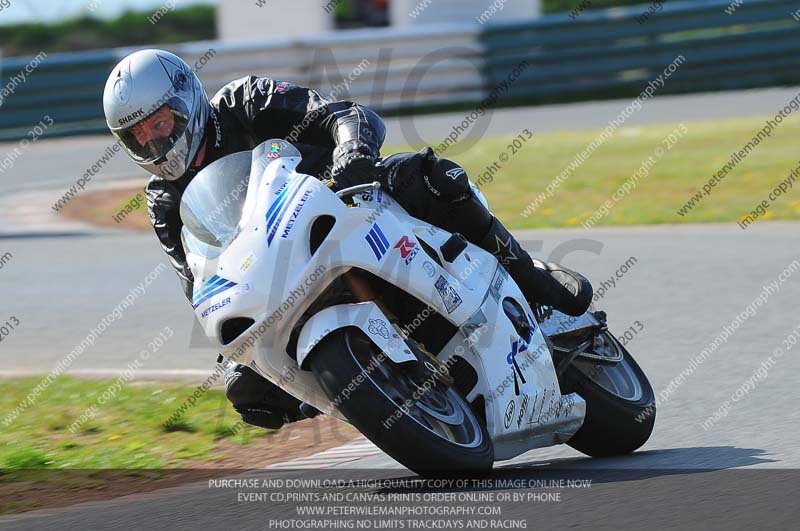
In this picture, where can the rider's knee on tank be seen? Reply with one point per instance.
(437, 190)
(410, 174)
(446, 180)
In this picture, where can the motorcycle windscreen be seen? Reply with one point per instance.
(211, 207)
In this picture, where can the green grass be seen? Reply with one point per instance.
(698, 155)
(126, 434)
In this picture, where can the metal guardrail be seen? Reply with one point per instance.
(599, 54)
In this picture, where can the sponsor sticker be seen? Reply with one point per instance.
(214, 307)
(533, 409)
(522, 407)
(379, 327)
(367, 196)
(296, 213)
(248, 262)
(283, 203)
(448, 293)
(274, 151)
(408, 249)
(509, 417)
(497, 282)
(429, 269)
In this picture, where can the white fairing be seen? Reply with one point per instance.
(268, 273)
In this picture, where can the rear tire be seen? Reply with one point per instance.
(613, 425)
(340, 360)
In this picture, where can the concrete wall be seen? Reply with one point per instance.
(414, 12)
(244, 20)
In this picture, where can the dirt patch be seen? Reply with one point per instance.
(28, 490)
(121, 208)
(298, 439)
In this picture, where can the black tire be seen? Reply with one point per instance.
(613, 425)
(339, 360)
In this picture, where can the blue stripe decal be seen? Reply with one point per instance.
(275, 208)
(278, 205)
(281, 201)
(219, 290)
(208, 282)
(382, 237)
(209, 285)
(377, 241)
(375, 250)
(272, 229)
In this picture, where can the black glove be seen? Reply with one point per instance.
(353, 163)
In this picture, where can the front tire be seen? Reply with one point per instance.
(620, 403)
(436, 435)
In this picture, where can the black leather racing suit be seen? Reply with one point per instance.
(332, 136)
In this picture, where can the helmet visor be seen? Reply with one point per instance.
(154, 136)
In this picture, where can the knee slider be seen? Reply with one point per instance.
(446, 180)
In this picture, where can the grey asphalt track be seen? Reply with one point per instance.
(688, 282)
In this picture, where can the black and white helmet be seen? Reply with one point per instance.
(156, 107)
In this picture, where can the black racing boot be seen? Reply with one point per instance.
(259, 401)
(550, 284)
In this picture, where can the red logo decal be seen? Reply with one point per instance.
(408, 249)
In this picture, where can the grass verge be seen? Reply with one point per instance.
(126, 433)
(656, 197)
(126, 447)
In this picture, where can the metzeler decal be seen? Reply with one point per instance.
(278, 210)
(214, 307)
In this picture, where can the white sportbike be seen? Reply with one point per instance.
(416, 337)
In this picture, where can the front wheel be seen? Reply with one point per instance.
(417, 419)
(620, 402)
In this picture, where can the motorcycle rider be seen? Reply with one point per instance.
(157, 109)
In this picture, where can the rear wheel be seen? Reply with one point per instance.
(620, 402)
(416, 418)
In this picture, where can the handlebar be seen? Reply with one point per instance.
(357, 189)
